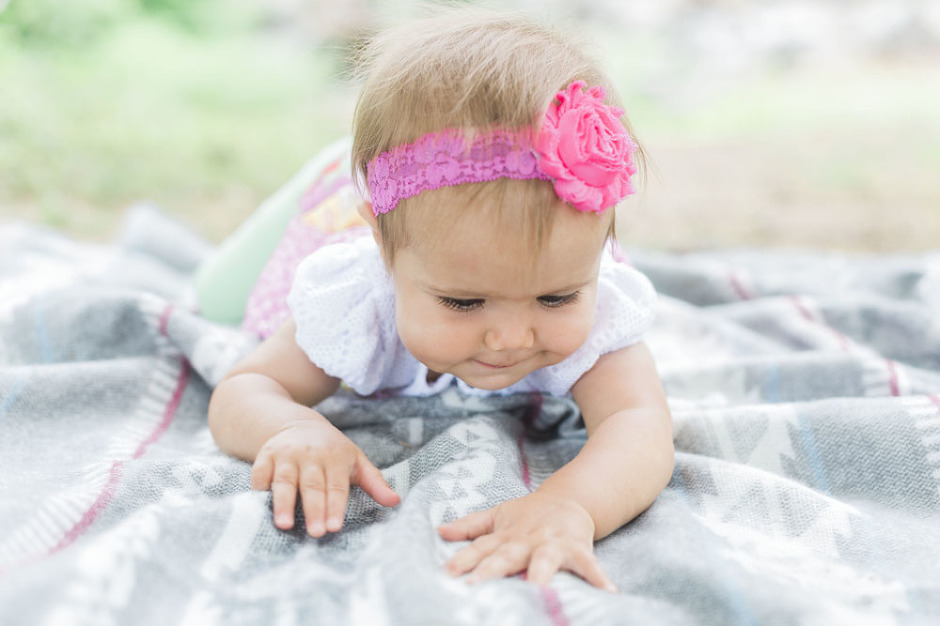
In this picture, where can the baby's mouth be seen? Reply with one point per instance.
(497, 366)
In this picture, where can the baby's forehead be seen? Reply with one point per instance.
(477, 250)
(507, 214)
(471, 268)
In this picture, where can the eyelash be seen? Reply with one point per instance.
(466, 306)
(462, 306)
(553, 302)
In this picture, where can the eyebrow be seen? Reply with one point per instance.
(474, 295)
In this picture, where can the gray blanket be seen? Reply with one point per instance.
(807, 423)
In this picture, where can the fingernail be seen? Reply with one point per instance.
(611, 588)
(284, 521)
(334, 524)
(316, 529)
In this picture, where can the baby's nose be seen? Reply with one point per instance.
(510, 335)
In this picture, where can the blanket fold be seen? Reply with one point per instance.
(805, 390)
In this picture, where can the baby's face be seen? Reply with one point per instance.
(473, 303)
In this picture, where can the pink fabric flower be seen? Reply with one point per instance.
(585, 149)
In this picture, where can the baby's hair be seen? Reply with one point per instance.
(466, 69)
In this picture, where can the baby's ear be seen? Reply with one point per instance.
(364, 209)
(365, 212)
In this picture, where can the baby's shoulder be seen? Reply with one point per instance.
(621, 283)
(340, 278)
(343, 303)
(337, 260)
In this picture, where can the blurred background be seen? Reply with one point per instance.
(771, 123)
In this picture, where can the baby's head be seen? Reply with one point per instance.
(473, 73)
(493, 152)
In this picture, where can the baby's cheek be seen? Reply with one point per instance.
(573, 332)
(412, 338)
(425, 341)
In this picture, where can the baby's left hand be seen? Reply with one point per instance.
(539, 532)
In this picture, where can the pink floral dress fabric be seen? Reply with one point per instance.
(327, 214)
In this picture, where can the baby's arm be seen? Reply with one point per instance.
(629, 456)
(626, 462)
(261, 412)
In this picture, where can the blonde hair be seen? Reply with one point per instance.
(466, 69)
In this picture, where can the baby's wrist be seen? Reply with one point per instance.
(312, 421)
(565, 498)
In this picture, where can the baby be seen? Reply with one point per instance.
(490, 154)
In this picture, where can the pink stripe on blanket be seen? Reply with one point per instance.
(553, 606)
(165, 319)
(117, 468)
(552, 603)
(741, 289)
(170, 412)
(935, 400)
(893, 381)
(531, 414)
(798, 301)
(526, 475)
(114, 476)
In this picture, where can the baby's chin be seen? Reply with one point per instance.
(490, 385)
(499, 379)
(495, 381)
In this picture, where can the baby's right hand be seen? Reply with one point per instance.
(314, 458)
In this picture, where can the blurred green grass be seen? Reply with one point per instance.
(205, 108)
(199, 122)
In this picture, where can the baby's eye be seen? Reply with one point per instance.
(458, 304)
(555, 301)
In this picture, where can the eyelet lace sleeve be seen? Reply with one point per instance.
(343, 303)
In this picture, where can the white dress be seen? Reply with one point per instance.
(343, 302)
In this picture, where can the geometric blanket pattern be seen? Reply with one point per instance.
(805, 389)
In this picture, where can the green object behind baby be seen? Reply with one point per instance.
(224, 282)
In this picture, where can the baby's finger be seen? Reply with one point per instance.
(546, 560)
(313, 499)
(370, 479)
(284, 493)
(510, 558)
(470, 526)
(262, 472)
(469, 556)
(584, 563)
(337, 494)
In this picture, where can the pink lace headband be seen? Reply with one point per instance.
(581, 147)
